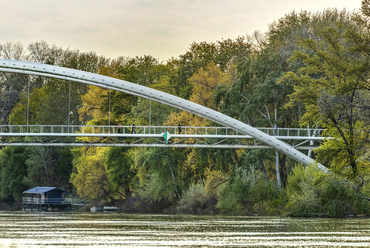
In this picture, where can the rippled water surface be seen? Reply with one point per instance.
(35, 229)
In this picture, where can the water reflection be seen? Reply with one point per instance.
(22, 229)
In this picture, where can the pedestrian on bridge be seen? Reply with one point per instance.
(179, 127)
(133, 129)
(119, 128)
(275, 130)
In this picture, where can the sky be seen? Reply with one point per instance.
(160, 28)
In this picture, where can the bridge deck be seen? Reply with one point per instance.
(79, 130)
(151, 136)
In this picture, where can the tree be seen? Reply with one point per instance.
(204, 84)
(11, 85)
(42, 52)
(365, 7)
(199, 55)
(161, 174)
(145, 70)
(154, 113)
(332, 83)
(121, 174)
(49, 166)
(14, 51)
(13, 169)
(256, 98)
(90, 176)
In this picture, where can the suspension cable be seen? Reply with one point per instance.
(69, 105)
(28, 100)
(109, 112)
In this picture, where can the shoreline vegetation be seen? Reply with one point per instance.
(309, 70)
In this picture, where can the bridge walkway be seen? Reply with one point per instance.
(152, 136)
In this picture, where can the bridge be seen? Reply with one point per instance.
(30, 68)
(152, 136)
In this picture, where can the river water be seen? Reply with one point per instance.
(38, 229)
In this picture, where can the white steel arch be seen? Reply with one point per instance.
(155, 95)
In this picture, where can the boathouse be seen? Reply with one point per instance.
(45, 199)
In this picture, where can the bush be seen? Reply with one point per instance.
(195, 200)
(249, 193)
(302, 193)
(312, 193)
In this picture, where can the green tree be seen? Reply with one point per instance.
(13, 169)
(121, 174)
(12, 86)
(256, 98)
(145, 70)
(150, 112)
(200, 55)
(49, 166)
(332, 83)
(161, 174)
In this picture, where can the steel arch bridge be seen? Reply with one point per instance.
(14, 66)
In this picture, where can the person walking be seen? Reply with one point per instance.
(179, 127)
(133, 129)
(275, 129)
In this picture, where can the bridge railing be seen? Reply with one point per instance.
(34, 200)
(95, 129)
(300, 132)
(114, 129)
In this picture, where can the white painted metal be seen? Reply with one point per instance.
(188, 131)
(162, 145)
(186, 136)
(155, 95)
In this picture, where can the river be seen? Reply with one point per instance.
(39, 229)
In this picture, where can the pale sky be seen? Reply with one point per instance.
(161, 28)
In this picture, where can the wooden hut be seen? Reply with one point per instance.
(45, 198)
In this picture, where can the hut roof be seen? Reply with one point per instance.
(41, 190)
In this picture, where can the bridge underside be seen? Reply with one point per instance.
(152, 140)
(219, 146)
(147, 142)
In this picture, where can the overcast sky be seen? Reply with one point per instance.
(161, 28)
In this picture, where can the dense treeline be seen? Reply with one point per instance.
(309, 69)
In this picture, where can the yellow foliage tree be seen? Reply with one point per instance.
(204, 84)
(90, 177)
(91, 102)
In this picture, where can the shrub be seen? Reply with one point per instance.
(312, 193)
(302, 192)
(194, 200)
(249, 193)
